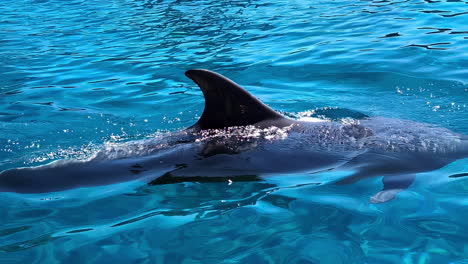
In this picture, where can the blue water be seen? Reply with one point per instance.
(77, 74)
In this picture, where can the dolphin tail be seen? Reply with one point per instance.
(227, 104)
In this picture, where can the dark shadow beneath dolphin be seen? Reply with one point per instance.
(239, 138)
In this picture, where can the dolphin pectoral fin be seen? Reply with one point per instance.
(384, 196)
(227, 104)
(393, 184)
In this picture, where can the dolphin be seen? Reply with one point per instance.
(239, 138)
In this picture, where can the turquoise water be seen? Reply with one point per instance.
(77, 74)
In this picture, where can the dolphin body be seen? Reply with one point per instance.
(240, 138)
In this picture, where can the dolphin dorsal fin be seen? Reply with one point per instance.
(227, 104)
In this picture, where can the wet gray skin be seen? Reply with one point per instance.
(240, 138)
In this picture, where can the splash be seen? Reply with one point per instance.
(244, 133)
